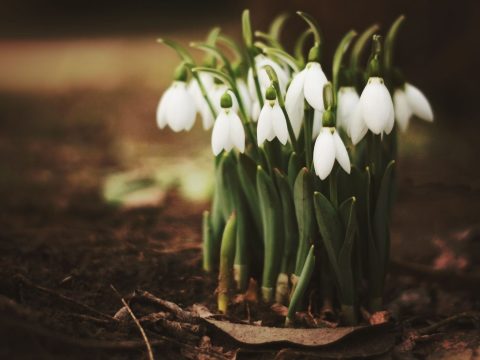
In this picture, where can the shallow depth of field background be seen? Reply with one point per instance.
(80, 82)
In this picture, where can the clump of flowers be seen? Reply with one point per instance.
(304, 161)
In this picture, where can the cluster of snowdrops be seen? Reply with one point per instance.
(304, 165)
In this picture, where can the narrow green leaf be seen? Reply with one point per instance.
(303, 200)
(247, 172)
(270, 209)
(360, 44)
(277, 25)
(294, 167)
(302, 285)
(208, 248)
(289, 221)
(299, 45)
(381, 214)
(345, 257)
(310, 20)
(390, 40)
(227, 254)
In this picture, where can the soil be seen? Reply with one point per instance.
(67, 257)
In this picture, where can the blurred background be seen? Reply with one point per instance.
(80, 82)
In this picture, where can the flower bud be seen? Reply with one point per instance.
(226, 101)
(181, 73)
(270, 93)
(314, 54)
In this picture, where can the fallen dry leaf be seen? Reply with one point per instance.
(255, 335)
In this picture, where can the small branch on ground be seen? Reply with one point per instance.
(142, 332)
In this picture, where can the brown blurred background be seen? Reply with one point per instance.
(53, 44)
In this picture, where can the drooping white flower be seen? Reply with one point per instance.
(373, 112)
(347, 101)
(409, 101)
(201, 104)
(272, 123)
(328, 147)
(228, 131)
(317, 123)
(263, 79)
(245, 95)
(306, 85)
(255, 110)
(176, 108)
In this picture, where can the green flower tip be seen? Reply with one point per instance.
(328, 118)
(270, 93)
(226, 101)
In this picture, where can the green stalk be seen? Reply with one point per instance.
(301, 287)
(208, 248)
(308, 128)
(227, 254)
(270, 209)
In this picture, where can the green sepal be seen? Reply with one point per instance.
(302, 285)
(270, 209)
(303, 201)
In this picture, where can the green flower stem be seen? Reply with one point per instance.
(299, 45)
(310, 20)
(337, 61)
(301, 287)
(207, 243)
(281, 102)
(308, 128)
(277, 25)
(251, 63)
(205, 94)
(227, 254)
(356, 55)
(390, 40)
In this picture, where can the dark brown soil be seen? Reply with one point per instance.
(58, 234)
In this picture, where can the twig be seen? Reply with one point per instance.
(182, 315)
(23, 280)
(474, 315)
(144, 336)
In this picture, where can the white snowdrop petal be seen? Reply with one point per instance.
(341, 153)
(181, 109)
(279, 124)
(418, 103)
(162, 109)
(245, 95)
(294, 101)
(264, 126)
(347, 101)
(236, 131)
(207, 116)
(220, 133)
(402, 109)
(317, 123)
(255, 111)
(391, 122)
(358, 128)
(315, 80)
(376, 105)
(324, 153)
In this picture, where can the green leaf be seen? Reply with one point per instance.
(270, 209)
(247, 172)
(310, 20)
(303, 200)
(208, 248)
(345, 259)
(289, 221)
(294, 167)
(330, 227)
(381, 214)
(303, 281)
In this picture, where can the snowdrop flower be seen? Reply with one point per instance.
(328, 147)
(245, 95)
(255, 110)
(317, 123)
(271, 122)
(306, 85)
(263, 79)
(176, 108)
(201, 104)
(409, 101)
(373, 112)
(228, 131)
(347, 101)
